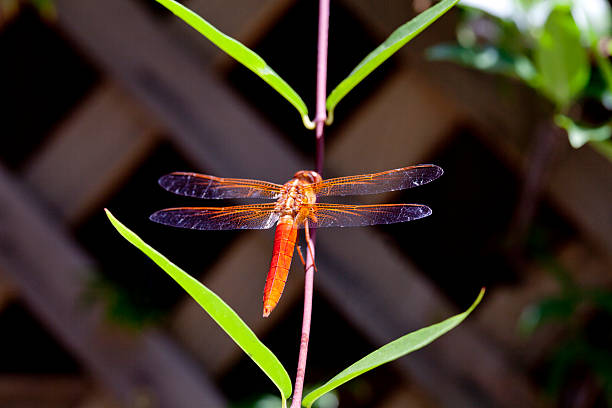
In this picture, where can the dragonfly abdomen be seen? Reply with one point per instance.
(284, 243)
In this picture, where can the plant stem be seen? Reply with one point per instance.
(320, 116)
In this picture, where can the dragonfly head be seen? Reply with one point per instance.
(308, 176)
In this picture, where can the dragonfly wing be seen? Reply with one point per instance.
(204, 186)
(254, 216)
(337, 215)
(375, 183)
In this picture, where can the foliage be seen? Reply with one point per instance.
(222, 313)
(558, 47)
(578, 309)
(119, 305)
(384, 51)
(392, 351)
(10, 8)
(231, 323)
(255, 63)
(242, 54)
(225, 317)
(579, 135)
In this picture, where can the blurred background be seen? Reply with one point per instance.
(512, 98)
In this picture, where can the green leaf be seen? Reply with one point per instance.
(553, 308)
(604, 147)
(46, 8)
(489, 59)
(605, 66)
(502, 9)
(561, 59)
(385, 50)
(579, 135)
(392, 351)
(221, 313)
(601, 298)
(593, 18)
(242, 54)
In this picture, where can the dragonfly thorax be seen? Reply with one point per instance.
(291, 199)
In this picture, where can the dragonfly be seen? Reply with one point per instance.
(296, 207)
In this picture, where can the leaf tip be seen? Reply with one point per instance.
(479, 298)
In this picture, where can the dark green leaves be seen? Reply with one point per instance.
(221, 313)
(561, 59)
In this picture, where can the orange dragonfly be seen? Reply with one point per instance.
(295, 207)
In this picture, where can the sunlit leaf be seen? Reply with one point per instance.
(504, 9)
(385, 50)
(221, 313)
(561, 59)
(579, 135)
(242, 54)
(391, 351)
(593, 18)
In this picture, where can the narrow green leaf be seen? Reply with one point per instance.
(392, 351)
(225, 317)
(242, 54)
(385, 50)
(561, 59)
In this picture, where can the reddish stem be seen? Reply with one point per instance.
(320, 116)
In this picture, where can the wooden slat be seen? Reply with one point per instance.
(98, 399)
(42, 391)
(9, 10)
(206, 119)
(581, 186)
(96, 146)
(507, 304)
(579, 181)
(382, 18)
(244, 20)
(387, 297)
(403, 124)
(50, 272)
(8, 292)
(407, 397)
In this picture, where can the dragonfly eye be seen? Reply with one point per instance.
(309, 176)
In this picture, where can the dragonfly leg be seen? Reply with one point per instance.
(309, 245)
(302, 258)
(299, 250)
